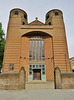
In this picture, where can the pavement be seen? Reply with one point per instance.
(42, 94)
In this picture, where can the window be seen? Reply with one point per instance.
(30, 69)
(36, 37)
(16, 12)
(25, 16)
(33, 50)
(36, 51)
(36, 66)
(11, 67)
(72, 67)
(40, 66)
(33, 66)
(42, 49)
(43, 72)
(30, 66)
(56, 13)
(49, 23)
(23, 23)
(30, 53)
(47, 16)
(39, 50)
(30, 73)
(43, 69)
(73, 63)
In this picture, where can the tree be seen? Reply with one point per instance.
(2, 45)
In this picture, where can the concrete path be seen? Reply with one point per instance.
(45, 94)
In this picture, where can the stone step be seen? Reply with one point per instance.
(38, 84)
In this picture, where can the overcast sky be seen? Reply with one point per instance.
(39, 8)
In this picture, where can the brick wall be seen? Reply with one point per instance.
(67, 80)
(64, 80)
(9, 81)
(13, 80)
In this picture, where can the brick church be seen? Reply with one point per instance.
(38, 47)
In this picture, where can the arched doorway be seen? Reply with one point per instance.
(38, 48)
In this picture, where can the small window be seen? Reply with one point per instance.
(23, 23)
(36, 66)
(43, 66)
(30, 58)
(25, 16)
(72, 67)
(33, 66)
(30, 73)
(56, 13)
(30, 66)
(49, 23)
(43, 72)
(47, 16)
(16, 12)
(11, 67)
(43, 58)
(43, 69)
(39, 65)
(73, 63)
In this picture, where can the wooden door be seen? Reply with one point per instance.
(36, 74)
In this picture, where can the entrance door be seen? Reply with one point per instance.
(36, 74)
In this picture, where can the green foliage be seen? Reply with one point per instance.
(73, 70)
(2, 45)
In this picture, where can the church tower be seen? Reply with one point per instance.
(38, 47)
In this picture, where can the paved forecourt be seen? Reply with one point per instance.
(43, 94)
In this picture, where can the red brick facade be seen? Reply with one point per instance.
(55, 44)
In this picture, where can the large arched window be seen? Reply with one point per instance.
(36, 51)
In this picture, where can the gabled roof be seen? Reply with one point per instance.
(36, 22)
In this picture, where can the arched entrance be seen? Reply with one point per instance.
(37, 52)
